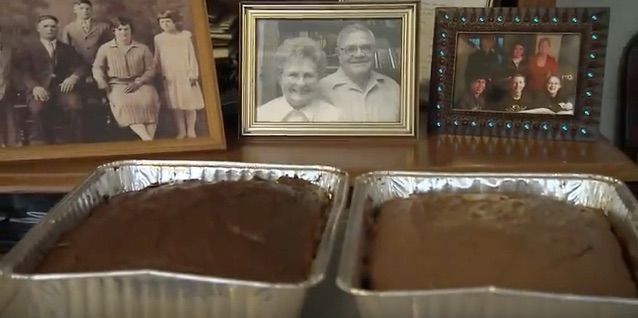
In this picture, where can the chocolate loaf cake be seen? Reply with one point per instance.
(440, 241)
(251, 230)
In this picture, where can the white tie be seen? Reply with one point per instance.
(51, 48)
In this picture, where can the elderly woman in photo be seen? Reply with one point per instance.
(176, 60)
(125, 68)
(553, 97)
(300, 63)
(541, 65)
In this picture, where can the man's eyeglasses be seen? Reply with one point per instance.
(353, 49)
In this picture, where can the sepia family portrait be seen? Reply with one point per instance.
(327, 71)
(87, 71)
(529, 72)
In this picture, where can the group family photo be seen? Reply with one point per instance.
(328, 71)
(517, 72)
(86, 71)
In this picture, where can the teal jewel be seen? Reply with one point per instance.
(440, 88)
(438, 106)
(509, 125)
(442, 53)
(441, 71)
(587, 112)
(500, 19)
(594, 18)
(481, 19)
(463, 19)
(527, 125)
(455, 122)
(583, 131)
(592, 55)
(473, 123)
(594, 36)
(490, 123)
(536, 20)
(589, 93)
(438, 124)
(555, 19)
(517, 19)
(590, 75)
(446, 16)
(444, 35)
(564, 127)
(574, 20)
(545, 126)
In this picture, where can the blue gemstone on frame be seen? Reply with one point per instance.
(594, 36)
(583, 131)
(587, 112)
(594, 18)
(527, 126)
(440, 88)
(473, 123)
(455, 122)
(564, 127)
(574, 20)
(500, 19)
(441, 70)
(491, 123)
(463, 19)
(446, 16)
(545, 126)
(481, 19)
(589, 93)
(438, 124)
(442, 53)
(592, 55)
(590, 75)
(517, 19)
(536, 20)
(509, 125)
(444, 35)
(555, 19)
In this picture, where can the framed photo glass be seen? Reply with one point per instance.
(331, 69)
(519, 72)
(85, 78)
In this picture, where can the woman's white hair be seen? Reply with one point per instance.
(300, 47)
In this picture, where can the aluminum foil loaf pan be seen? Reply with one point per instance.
(372, 189)
(149, 293)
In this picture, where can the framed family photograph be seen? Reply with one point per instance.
(519, 72)
(330, 69)
(82, 78)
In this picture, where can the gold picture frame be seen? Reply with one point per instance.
(329, 103)
(104, 133)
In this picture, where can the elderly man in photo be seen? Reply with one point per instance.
(361, 94)
(50, 72)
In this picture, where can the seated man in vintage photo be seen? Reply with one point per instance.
(362, 94)
(516, 100)
(300, 62)
(50, 72)
(474, 97)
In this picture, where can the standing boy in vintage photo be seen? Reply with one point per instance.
(85, 34)
(362, 94)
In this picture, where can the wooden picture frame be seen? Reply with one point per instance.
(278, 37)
(168, 76)
(556, 95)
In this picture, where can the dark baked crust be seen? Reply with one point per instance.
(438, 241)
(251, 230)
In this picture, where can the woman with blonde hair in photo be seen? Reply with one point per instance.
(175, 59)
(542, 65)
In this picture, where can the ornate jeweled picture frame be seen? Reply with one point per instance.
(518, 72)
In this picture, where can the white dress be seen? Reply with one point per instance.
(177, 62)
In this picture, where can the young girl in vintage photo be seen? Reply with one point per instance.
(176, 61)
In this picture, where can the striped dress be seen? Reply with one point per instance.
(118, 67)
